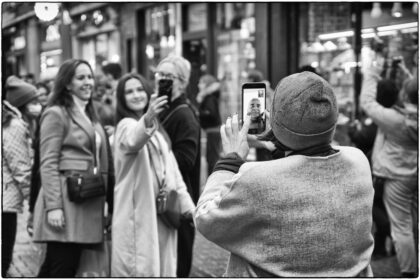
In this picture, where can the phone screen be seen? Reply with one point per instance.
(253, 104)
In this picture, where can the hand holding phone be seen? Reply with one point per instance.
(234, 138)
(254, 105)
(165, 88)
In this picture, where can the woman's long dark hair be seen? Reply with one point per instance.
(122, 110)
(61, 95)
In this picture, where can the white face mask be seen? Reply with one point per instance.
(34, 109)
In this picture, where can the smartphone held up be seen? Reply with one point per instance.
(165, 88)
(254, 105)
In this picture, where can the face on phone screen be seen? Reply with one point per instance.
(253, 104)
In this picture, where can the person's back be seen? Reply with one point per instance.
(292, 217)
(308, 214)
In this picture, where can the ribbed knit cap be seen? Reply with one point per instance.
(304, 111)
(19, 92)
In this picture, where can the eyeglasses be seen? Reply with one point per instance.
(160, 75)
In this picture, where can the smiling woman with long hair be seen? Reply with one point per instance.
(71, 142)
(143, 245)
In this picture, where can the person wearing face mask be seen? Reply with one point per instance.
(43, 91)
(17, 158)
(143, 245)
(71, 142)
(181, 122)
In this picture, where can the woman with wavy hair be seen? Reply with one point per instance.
(71, 142)
(143, 244)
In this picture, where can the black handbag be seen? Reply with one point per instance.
(168, 206)
(81, 187)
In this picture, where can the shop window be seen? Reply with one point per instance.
(196, 17)
(160, 29)
(236, 51)
(328, 47)
(101, 49)
(50, 62)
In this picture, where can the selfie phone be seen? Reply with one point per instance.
(254, 104)
(165, 88)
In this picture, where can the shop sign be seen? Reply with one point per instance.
(19, 43)
(197, 17)
(52, 33)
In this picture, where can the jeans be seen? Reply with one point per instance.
(400, 198)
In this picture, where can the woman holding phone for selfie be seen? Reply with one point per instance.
(143, 245)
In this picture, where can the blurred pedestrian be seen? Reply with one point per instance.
(208, 99)
(16, 161)
(29, 78)
(394, 158)
(43, 91)
(362, 133)
(71, 142)
(112, 72)
(104, 105)
(308, 214)
(106, 111)
(143, 245)
(182, 125)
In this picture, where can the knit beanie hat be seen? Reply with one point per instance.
(19, 92)
(182, 66)
(304, 111)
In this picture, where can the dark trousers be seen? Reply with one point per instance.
(213, 150)
(61, 260)
(8, 233)
(380, 217)
(186, 233)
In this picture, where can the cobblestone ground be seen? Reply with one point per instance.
(209, 260)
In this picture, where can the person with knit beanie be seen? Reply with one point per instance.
(16, 162)
(24, 96)
(308, 214)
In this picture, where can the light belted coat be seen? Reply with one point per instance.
(142, 245)
(66, 141)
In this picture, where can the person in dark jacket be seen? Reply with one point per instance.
(210, 120)
(180, 121)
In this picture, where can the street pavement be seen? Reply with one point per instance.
(209, 260)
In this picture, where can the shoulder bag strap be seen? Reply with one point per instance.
(161, 182)
(173, 111)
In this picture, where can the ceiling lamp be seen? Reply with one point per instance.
(415, 8)
(46, 11)
(396, 10)
(376, 10)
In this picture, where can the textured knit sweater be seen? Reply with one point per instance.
(297, 216)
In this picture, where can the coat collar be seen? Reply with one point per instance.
(82, 121)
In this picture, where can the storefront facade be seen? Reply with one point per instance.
(223, 39)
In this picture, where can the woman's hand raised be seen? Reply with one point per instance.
(156, 105)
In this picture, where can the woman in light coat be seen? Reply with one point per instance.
(143, 245)
(69, 132)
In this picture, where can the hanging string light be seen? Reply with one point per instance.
(397, 10)
(376, 10)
